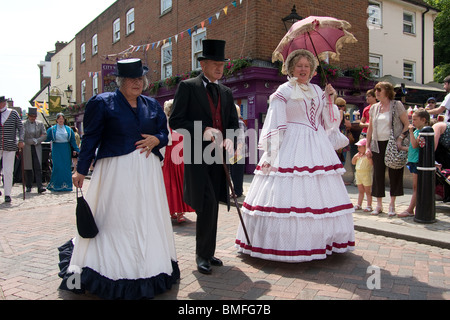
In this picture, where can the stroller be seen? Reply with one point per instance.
(443, 184)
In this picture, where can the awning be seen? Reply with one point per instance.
(397, 83)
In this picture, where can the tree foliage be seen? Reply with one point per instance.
(441, 39)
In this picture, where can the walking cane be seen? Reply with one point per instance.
(23, 173)
(233, 194)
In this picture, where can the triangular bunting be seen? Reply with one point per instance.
(225, 10)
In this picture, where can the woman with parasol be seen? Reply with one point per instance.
(297, 207)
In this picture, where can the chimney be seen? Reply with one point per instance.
(59, 46)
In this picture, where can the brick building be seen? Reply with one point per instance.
(252, 28)
(166, 36)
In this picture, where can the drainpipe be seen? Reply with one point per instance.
(423, 44)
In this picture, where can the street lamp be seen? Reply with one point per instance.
(68, 93)
(292, 18)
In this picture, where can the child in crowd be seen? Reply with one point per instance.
(420, 119)
(363, 175)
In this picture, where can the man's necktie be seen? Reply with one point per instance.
(213, 90)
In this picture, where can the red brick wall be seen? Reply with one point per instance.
(252, 29)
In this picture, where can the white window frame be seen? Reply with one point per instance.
(375, 14)
(83, 52)
(94, 44)
(70, 61)
(130, 21)
(166, 6)
(83, 91)
(58, 70)
(409, 73)
(116, 30)
(165, 63)
(95, 84)
(410, 24)
(377, 67)
(197, 47)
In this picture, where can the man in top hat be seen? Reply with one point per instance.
(203, 110)
(10, 127)
(35, 134)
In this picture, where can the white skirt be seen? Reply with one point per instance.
(135, 240)
(301, 211)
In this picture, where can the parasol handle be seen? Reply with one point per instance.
(333, 118)
(315, 51)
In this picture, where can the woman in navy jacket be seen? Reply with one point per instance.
(133, 255)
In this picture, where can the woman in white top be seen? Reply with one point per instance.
(383, 115)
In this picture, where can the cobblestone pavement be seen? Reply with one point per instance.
(31, 231)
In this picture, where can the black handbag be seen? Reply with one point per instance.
(87, 228)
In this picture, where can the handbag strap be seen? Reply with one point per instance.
(393, 114)
(81, 191)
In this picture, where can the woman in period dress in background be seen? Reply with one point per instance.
(173, 171)
(297, 207)
(63, 147)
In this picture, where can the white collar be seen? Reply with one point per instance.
(205, 83)
(301, 91)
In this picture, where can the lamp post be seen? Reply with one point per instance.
(292, 18)
(68, 93)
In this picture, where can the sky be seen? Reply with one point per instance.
(29, 29)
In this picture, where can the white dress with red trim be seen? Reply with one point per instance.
(298, 210)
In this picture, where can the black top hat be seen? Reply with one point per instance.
(2, 99)
(32, 111)
(130, 68)
(213, 50)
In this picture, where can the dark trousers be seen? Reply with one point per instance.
(206, 227)
(37, 169)
(237, 171)
(379, 169)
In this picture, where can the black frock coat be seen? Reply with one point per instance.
(191, 104)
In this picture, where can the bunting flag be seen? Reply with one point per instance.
(180, 35)
(93, 74)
